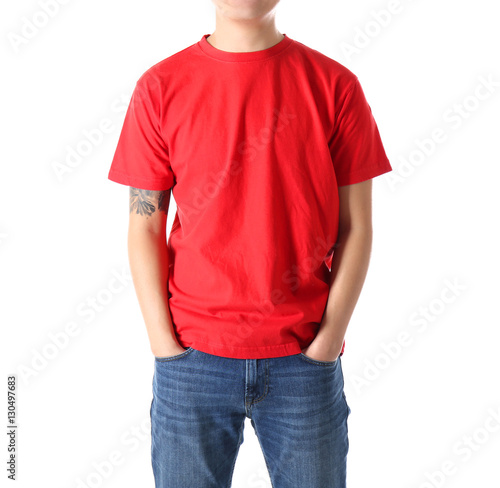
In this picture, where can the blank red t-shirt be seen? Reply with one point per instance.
(254, 146)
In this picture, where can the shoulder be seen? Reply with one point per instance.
(325, 65)
(321, 58)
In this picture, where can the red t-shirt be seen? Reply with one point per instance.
(254, 146)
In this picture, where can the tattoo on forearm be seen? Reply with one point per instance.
(146, 202)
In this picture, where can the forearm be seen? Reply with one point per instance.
(148, 257)
(349, 268)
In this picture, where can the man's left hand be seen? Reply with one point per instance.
(323, 351)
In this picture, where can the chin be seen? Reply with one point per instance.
(245, 9)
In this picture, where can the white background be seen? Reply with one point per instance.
(429, 405)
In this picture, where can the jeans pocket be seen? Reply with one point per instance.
(315, 361)
(164, 359)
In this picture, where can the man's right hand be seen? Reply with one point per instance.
(163, 352)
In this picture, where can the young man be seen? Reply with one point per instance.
(269, 148)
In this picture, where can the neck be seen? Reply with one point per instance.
(245, 35)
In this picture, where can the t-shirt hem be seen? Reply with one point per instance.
(255, 352)
(154, 184)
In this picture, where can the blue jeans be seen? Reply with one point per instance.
(297, 408)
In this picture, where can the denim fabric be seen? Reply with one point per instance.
(297, 408)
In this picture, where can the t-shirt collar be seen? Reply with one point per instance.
(212, 51)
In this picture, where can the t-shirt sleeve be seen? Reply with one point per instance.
(141, 158)
(356, 147)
